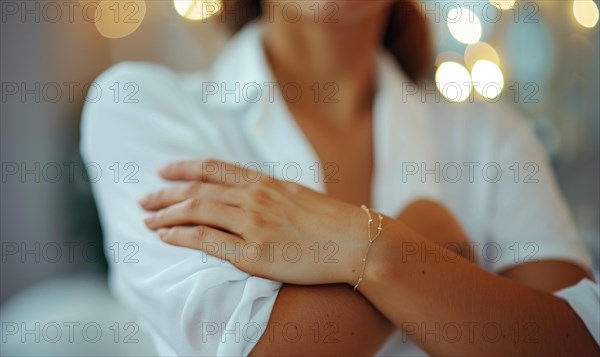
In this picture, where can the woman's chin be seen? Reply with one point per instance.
(351, 11)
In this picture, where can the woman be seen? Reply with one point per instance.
(351, 130)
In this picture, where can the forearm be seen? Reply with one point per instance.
(432, 292)
(312, 308)
(324, 320)
(451, 307)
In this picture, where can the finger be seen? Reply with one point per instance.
(198, 211)
(214, 171)
(212, 241)
(207, 191)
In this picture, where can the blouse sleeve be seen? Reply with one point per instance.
(138, 118)
(530, 220)
(584, 298)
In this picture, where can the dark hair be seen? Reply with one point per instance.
(407, 36)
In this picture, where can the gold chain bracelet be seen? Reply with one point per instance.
(371, 240)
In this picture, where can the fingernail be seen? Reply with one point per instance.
(149, 219)
(163, 169)
(144, 200)
(162, 232)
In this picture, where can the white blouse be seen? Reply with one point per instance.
(481, 160)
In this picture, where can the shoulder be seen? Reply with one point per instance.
(491, 128)
(131, 87)
(495, 118)
(136, 104)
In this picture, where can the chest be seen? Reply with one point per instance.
(346, 158)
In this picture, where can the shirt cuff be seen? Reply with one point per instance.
(584, 298)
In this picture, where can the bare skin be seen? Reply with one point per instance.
(340, 134)
(393, 294)
(339, 59)
(410, 290)
(339, 333)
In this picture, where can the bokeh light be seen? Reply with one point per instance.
(480, 51)
(488, 79)
(453, 81)
(464, 25)
(117, 19)
(585, 12)
(503, 4)
(198, 9)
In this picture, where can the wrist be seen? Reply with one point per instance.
(354, 244)
(385, 261)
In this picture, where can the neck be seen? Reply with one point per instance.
(334, 64)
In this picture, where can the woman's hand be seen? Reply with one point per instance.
(269, 228)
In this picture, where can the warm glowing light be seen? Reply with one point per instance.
(453, 81)
(198, 9)
(480, 51)
(117, 19)
(586, 12)
(503, 4)
(488, 79)
(464, 25)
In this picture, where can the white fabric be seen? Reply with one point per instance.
(182, 294)
(584, 298)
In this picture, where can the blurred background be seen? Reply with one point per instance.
(541, 56)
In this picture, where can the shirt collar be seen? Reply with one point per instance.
(401, 135)
(403, 140)
(275, 134)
